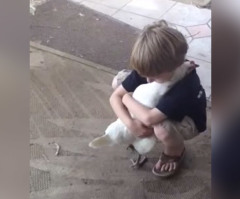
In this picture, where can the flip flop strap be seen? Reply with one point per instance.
(167, 158)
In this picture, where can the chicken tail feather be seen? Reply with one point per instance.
(101, 142)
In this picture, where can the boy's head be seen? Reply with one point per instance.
(158, 49)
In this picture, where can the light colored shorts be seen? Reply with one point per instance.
(186, 128)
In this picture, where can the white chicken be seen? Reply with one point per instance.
(148, 95)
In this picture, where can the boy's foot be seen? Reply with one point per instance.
(168, 165)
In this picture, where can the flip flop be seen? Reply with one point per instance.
(168, 159)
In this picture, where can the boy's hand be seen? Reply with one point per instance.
(139, 129)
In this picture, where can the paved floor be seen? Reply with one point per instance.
(104, 41)
(69, 106)
(106, 32)
(193, 22)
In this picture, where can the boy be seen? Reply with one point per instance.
(180, 113)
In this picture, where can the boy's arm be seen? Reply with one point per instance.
(134, 125)
(118, 107)
(147, 116)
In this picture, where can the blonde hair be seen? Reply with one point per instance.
(159, 48)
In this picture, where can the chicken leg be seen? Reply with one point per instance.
(139, 162)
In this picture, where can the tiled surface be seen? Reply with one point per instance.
(199, 31)
(112, 3)
(132, 19)
(188, 19)
(100, 7)
(149, 8)
(200, 49)
(210, 23)
(184, 31)
(187, 15)
(189, 39)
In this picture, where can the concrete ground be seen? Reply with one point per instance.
(69, 107)
(102, 41)
(69, 99)
(103, 31)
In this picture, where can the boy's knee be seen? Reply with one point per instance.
(186, 129)
(162, 131)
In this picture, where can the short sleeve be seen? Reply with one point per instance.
(174, 104)
(133, 81)
(186, 98)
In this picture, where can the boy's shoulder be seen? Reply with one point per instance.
(187, 91)
(190, 82)
(132, 81)
(186, 97)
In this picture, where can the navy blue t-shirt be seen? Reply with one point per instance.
(185, 98)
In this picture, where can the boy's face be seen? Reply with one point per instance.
(161, 78)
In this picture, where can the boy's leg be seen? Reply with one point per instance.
(120, 77)
(172, 135)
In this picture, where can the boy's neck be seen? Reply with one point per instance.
(165, 77)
